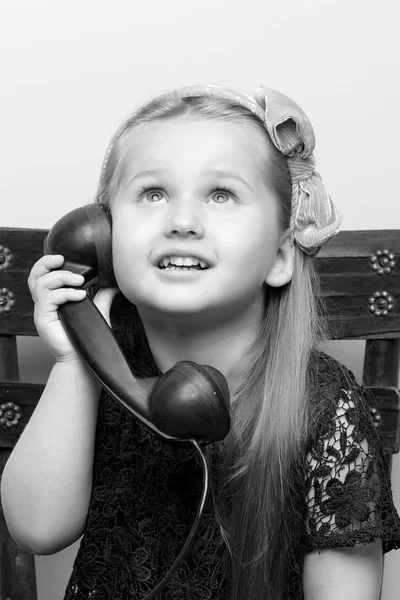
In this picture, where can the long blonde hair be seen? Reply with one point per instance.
(269, 388)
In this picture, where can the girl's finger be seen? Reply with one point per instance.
(60, 296)
(58, 279)
(44, 265)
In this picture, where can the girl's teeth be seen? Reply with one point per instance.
(182, 262)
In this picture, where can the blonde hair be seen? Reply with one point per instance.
(262, 454)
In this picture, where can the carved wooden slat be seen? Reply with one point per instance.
(362, 243)
(349, 318)
(19, 250)
(349, 267)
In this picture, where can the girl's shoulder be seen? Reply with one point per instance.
(328, 375)
(333, 390)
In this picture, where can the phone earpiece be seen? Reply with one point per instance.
(189, 401)
(83, 237)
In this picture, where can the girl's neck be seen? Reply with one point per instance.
(221, 342)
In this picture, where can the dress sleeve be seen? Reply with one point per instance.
(348, 493)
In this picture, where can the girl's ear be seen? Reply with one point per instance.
(281, 269)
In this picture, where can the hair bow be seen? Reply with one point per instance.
(314, 217)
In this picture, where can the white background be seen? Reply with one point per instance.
(71, 71)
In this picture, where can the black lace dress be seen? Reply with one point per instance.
(145, 495)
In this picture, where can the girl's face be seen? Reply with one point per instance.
(194, 187)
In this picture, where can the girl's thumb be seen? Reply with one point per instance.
(103, 301)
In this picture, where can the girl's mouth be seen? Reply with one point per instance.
(183, 268)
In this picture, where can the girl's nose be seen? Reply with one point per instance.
(184, 218)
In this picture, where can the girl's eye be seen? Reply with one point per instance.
(152, 194)
(222, 193)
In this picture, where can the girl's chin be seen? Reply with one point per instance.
(179, 306)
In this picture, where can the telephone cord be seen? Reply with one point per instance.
(186, 547)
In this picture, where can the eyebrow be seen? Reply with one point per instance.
(229, 175)
(214, 170)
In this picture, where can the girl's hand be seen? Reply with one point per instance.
(50, 288)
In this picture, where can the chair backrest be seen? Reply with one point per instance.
(19, 249)
(360, 276)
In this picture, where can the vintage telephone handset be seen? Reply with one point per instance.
(190, 402)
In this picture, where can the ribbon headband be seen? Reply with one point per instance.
(314, 217)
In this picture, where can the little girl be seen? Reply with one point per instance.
(301, 505)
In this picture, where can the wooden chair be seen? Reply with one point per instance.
(360, 274)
